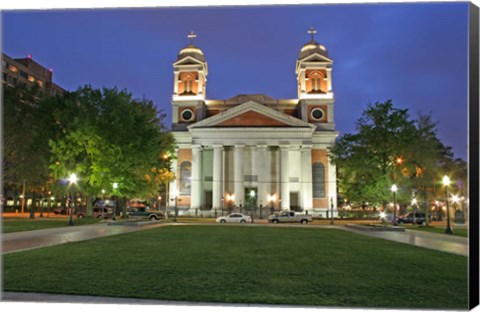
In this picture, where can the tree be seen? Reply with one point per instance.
(25, 141)
(391, 148)
(366, 161)
(111, 138)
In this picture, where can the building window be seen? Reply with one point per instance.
(185, 177)
(40, 83)
(23, 74)
(187, 115)
(13, 68)
(317, 114)
(4, 64)
(31, 78)
(318, 180)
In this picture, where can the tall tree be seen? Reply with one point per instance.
(367, 161)
(112, 138)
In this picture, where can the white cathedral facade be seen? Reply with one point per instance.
(253, 150)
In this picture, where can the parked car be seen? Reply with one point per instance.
(234, 218)
(60, 210)
(97, 213)
(408, 218)
(144, 213)
(290, 217)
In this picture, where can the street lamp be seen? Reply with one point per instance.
(115, 201)
(72, 179)
(394, 190)
(175, 194)
(103, 206)
(414, 204)
(446, 183)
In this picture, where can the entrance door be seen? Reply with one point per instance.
(250, 197)
(294, 203)
(208, 199)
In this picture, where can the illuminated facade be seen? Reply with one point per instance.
(254, 150)
(27, 72)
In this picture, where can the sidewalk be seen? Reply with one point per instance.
(441, 242)
(21, 241)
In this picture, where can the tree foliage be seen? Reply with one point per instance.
(391, 148)
(103, 135)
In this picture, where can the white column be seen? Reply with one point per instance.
(260, 166)
(329, 79)
(284, 178)
(238, 175)
(175, 82)
(201, 78)
(217, 176)
(332, 186)
(307, 203)
(196, 185)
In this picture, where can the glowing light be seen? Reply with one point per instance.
(446, 180)
(383, 214)
(252, 193)
(73, 178)
(394, 188)
(115, 185)
(455, 198)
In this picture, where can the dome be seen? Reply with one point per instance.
(191, 51)
(312, 47)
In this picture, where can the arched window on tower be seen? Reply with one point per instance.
(318, 180)
(316, 82)
(185, 178)
(188, 85)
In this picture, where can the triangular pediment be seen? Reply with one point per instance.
(316, 57)
(251, 114)
(188, 60)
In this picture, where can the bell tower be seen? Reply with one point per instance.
(314, 76)
(189, 85)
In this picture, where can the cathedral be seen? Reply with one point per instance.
(253, 150)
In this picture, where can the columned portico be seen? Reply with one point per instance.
(306, 177)
(238, 174)
(196, 183)
(217, 176)
(284, 178)
(260, 162)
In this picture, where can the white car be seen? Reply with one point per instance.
(234, 218)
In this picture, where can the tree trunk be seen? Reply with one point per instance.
(23, 196)
(32, 207)
(89, 205)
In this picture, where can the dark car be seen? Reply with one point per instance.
(97, 213)
(144, 213)
(60, 210)
(408, 218)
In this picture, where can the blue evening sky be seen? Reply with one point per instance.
(413, 53)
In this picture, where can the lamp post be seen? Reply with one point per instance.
(414, 204)
(175, 193)
(394, 190)
(103, 206)
(72, 180)
(115, 201)
(331, 210)
(446, 183)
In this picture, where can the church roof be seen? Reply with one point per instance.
(312, 47)
(191, 51)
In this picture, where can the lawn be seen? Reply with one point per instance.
(246, 264)
(20, 225)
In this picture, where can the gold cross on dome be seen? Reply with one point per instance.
(191, 36)
(312, 31)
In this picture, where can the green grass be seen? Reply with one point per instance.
(20, 225)
(246, 264)
(463, 232)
